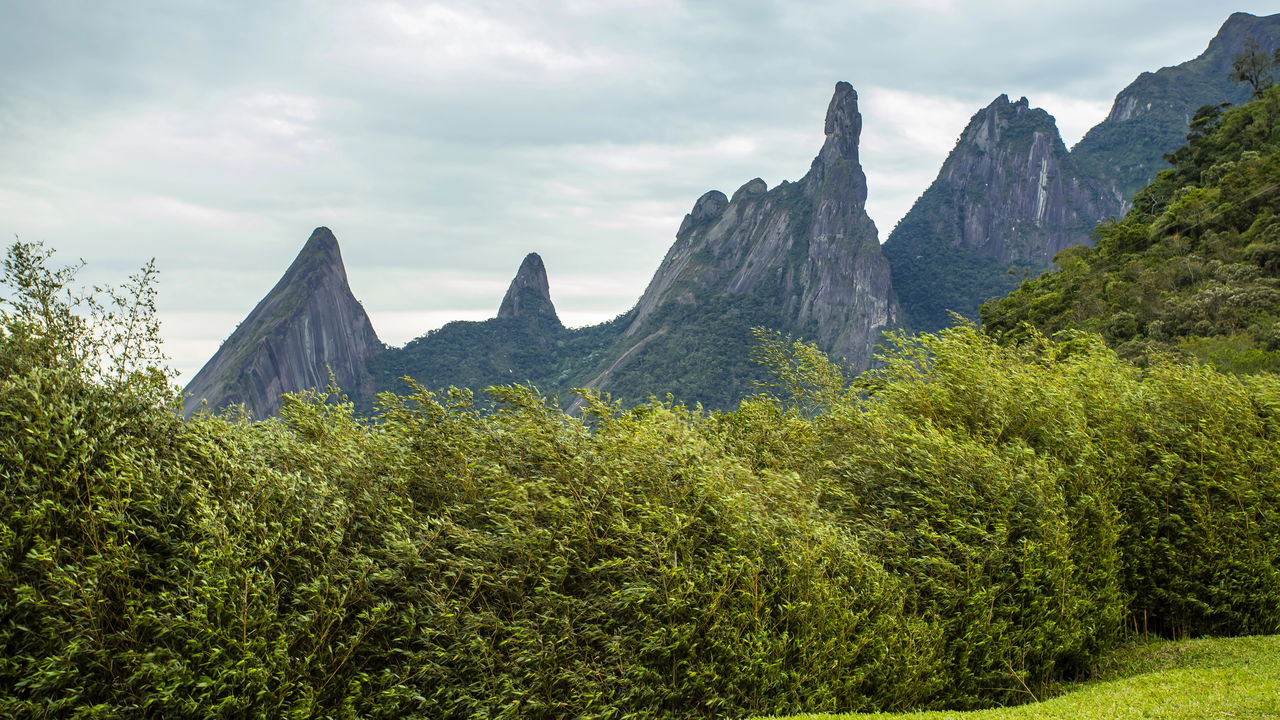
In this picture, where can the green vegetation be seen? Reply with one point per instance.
(963, 527)
(933, 276)
(1193, 269)
(1187, 680)
(531, 350)
(1254, 67)
(699, 351)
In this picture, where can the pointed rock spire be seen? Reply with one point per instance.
(308, 325)
(529, 294)
(800, 257)
(843, 128)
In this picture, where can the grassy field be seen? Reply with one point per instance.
(1219, 678)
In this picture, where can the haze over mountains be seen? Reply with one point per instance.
(803, 258)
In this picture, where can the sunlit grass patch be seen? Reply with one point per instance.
(1212, 678)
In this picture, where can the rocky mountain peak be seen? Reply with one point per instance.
(320, 254)
(800, 257)
(307, 326)
(1149, 117)
(843, 118)
(843, 127)
(529, 294)
(754, 186)
(987, 126)
(1007, 197)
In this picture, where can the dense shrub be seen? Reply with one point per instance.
(955, 529)
(440, 561)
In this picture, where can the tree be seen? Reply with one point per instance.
(1254, 66)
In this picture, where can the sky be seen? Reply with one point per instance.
(443, 141)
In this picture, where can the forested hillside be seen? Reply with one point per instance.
(1193, 268)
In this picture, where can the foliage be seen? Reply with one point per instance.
(439, 562)
(1192, 269)
(956, 529)
(1254, 67)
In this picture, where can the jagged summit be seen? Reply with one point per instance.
(843, 124)
(1007, 197)
(801, 257)
(985, 127)
(306, 326)
(529, 294)
(707, 209)
(843, 130)
(322, 240)
(1015, 195)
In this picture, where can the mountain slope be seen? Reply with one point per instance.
(802, 258)
(1149, 117)
(1193, 268)
(308, 324)
(1007, 199)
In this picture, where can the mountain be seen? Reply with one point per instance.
(1149, 117)
(1007, 199)
(524, 343)
(1010, 197)
(802, 258)
(1192, 269)
(308, 325)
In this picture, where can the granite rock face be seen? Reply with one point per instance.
(529, 293)
(1009, 196)
(802, 258)
(1149, 117)
(308, 325)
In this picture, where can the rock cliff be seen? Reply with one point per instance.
(802, 258)
(308, 325)
(1007, 199)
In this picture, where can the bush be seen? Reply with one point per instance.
(955, 529)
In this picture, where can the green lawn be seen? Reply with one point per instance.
(1226, 678)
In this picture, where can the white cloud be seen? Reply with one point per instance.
(460, 43)
(905, 138)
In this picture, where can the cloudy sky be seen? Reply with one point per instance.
(441, 141)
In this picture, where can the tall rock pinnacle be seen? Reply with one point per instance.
(839, 152)
(308, 325)
(529, 293)
(802, 258)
